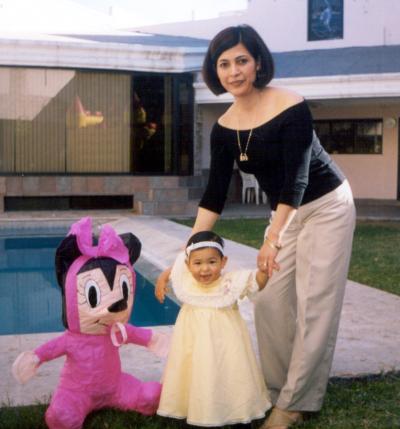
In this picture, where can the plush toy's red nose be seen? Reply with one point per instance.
(118, 306)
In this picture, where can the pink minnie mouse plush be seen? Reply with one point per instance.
(98, 285)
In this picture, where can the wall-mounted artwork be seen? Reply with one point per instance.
(325, 19)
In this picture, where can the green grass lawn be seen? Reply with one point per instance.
(365, 403)
(375, 259)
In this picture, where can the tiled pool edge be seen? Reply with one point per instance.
(44, 226)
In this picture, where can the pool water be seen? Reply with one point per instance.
(30, 298)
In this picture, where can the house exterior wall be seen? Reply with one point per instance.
(371, 176)
(283, 24)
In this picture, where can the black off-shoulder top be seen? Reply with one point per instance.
(284, 154)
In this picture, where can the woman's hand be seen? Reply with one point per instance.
(161, 288)
(266, 259)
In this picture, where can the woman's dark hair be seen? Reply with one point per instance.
(228, 38)
(205, 236)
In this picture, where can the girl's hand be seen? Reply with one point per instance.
(161, 288)
(266, 259)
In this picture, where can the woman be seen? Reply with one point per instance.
(306, 251)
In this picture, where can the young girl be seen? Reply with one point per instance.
(211, 377)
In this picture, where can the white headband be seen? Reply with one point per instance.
(202, 244)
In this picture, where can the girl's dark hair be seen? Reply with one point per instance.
(205, 236)
(228, 38)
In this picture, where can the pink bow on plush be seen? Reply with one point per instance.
(109, 245)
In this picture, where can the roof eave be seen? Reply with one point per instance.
(322, 87)
(91, 55)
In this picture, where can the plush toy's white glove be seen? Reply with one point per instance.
(25, 366)
(159, 344)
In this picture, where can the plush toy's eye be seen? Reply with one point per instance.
(92, 293)
(124, 285)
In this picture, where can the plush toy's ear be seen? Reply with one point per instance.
(66, 254)
(133, 245)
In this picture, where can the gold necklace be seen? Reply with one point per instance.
(243, 154)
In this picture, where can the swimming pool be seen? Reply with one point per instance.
(30, 299)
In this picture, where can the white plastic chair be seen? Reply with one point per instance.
(250, 186)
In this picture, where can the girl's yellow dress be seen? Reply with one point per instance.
(212, 377)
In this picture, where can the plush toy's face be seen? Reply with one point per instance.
(97, 280)
(105, 296)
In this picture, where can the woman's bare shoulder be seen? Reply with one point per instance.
(284, 97)
(226, 118)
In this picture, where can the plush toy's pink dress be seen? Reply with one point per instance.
(92, 378)
(212, 377)
(97, 309)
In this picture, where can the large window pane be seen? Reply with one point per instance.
(77, 122)
(32, 119)
(98, 124)
(368, 137)
(148, 130)
(162, 124)
(350, 136)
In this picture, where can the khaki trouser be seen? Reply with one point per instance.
(297, 314)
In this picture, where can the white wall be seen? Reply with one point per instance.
(283, 24)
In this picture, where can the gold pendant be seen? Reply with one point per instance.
(243, 157)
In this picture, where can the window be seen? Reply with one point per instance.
(350, 136)
(162, 131)
(89, 122)
(325, 19)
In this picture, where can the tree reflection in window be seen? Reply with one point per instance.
(162, 124)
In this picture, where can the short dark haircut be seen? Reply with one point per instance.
(228, 38)
(205, 236)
